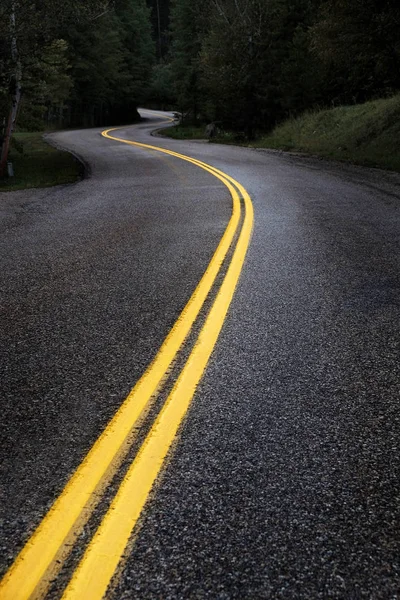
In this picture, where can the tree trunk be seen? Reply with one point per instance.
(15, 95)
(160, 56)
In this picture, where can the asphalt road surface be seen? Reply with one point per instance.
(284, 482)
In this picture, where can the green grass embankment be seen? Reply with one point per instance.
(184, 132)
(367, 134)
(37, 164)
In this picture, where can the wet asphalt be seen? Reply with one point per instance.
(285, 480)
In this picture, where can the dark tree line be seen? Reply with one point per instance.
(73, 63)
(160, 12)
(245, 63)
(110, 65)
(251, 63)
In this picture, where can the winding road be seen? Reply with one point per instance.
(196, 402)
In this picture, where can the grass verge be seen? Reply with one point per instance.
(37, 164)
(190, 132)
(183, 132)
(366, 134)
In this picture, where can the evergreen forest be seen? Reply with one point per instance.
(246, 64)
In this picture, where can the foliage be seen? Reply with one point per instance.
(246, 64)
(367, 134)
(160, 11)
(137, 47)
(111, 65)
(47, 85)
(82, 63)
(36, 164)
(162, 85)
(186, 132)
(188, 25)
(97, 70)
(359, 44)
(253, 63)
(38, 23)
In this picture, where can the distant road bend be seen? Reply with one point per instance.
(199, 402)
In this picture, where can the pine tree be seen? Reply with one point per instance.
(26, 27)
(138, 51)
(188, 24)
(359, 44)
(255, 61)
(160, 10)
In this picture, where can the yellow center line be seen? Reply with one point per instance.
(42, 555)
(101, 559)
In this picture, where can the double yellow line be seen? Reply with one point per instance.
(43, 555)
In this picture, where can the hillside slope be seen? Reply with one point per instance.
(367, 134)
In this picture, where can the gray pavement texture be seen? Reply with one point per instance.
(285, 480)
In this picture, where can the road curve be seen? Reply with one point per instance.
(284, 483)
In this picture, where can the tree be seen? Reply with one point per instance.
(111, 65)
(162, 85)
(255, 61)
(47, 87)
(138, 51)
(359, 44)
(81, 63)
(188, 26)
(96, 59)
(14, 87)
(26, 26)
(160, 10)
(230, 61)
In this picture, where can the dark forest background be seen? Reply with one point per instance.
(246, 64)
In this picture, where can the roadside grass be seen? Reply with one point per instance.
(184, 132)
(190, 132)
(366, 134)
(37, 164)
